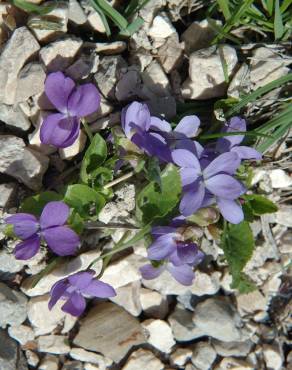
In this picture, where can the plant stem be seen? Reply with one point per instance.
(119, 179)
(87, 130)
(94, 225)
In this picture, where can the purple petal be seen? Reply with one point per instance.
(57, 291)
(59, 131)
(61, 240)
(24, 225)
(162, 247)
(54, 214)
(149, 272)
(188, 175)
(230, 210)
(224, 144)
(81, 280)
(224, 186)
(245, 152)
(185, 158)
(187, 252)
(58, 89)
(190, 145)
(192, 198)
(75, 305)
(84, 100)
(188, 126)
(158, 124)
(27, 249)
(161, 230)
(183, 274)
(154, 144)
(226, 162)
(136, 114)
(99, 289)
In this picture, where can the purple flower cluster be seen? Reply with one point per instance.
(50, 227)
(206, 173)
(72, 103)
(75, 288)
(179, 256)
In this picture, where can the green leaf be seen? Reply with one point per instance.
(132, 27)
(278, 22)
(36, 203)
(94, 156)
(9, 231)
(155, 204)
(33, 8)
(243, 284)
(83, 199)
(134, 6)
(111, 13)
(260, 205)
(153, 172)
(237, 243)
(76, 222)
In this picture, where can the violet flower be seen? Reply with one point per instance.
(72, 102)
(202, 185)
(75, 288)
(231, 143)
(137, 125)
(179, 255)
(50, 227)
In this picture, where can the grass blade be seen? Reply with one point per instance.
(224, 7)
(277, 135)
(132, 27)
(134, 6)
(111, 13)
(285, 5)
(270, 6)
(223, 134)
(278, 22)
(103, 18)
(33, 8)
(257, 93)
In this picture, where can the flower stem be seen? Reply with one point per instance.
(87, 130)
(118, 180)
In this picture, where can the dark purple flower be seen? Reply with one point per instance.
(50, 227)
(179, 255)
(72, 102)
(136, 123)
(75, 288)
(202, 185)
(231, 143)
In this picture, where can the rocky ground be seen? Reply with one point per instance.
(155, 324)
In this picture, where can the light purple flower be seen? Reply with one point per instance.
(201, 185)
(50, 227)
(232, 143)
(75, 288)
(72, 102)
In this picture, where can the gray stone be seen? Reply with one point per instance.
(94, 358)
(280, 179)
(203, 356)
(32, 358)
(30, 81)
(110, 48)
(58, 55)
(108, 73)
(6, 192)
(284, 216)
(128, 298)
(159, 335)
(206, 77)
(83, 67)
(234, 363)
(162, 106)
(73, 365)
(217, 318)
(237, 349)
(19, 49)
(58, 14)
(153, 303)
(110, 330)
(180, 356)
(11, 358)
(13, 306)
(170, 53)
(76, 13)
(198, 35)
(22, 333)
(22, 163)
(56, 344)
(156, 80)
(143, 359)
(14, 117)
(49, 362)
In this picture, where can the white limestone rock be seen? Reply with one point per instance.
(206, 77)
(203, 355)
(22, 333)
(56, 344)
(143, 359)
(160, 335)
